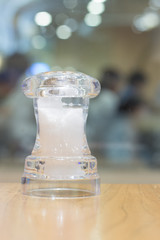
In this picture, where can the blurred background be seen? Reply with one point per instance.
(115, 41)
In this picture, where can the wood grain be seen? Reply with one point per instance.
(121, 212)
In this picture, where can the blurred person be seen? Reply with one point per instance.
(102, 109)
(132, 122)
(17, 127)
(122, 137)
(5, 86)
(135, 85)
(5, 89)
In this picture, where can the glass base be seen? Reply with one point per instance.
(61, 188)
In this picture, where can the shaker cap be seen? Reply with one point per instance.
(62, 84)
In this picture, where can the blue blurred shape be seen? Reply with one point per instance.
(37, 67)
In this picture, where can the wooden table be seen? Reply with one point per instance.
(121, 212)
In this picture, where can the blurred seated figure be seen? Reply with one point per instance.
(5, 89)
(122, 137)
(17, 127)
(123, 134)
(135, 85)
(102, 110)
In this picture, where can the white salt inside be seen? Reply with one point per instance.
(61, 133)
(61, 129)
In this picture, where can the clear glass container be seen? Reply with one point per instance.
(61, 165)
